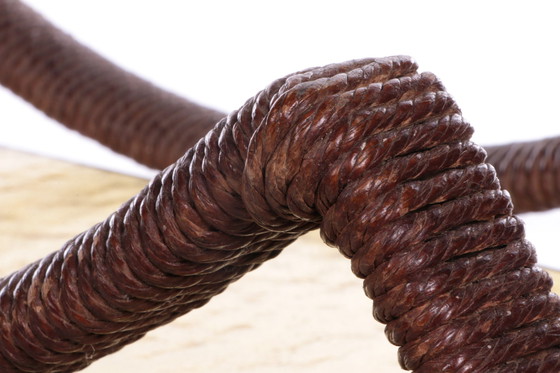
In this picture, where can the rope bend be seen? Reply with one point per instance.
(87, 93)
(371, 152)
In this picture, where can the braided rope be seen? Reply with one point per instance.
(372, 152)
(530, 171)
(81, 89)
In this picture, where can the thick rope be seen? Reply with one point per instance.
(372, 152)
(530, 171)
(81, 89)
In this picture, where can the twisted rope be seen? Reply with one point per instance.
(375, 154)
(89, 94)
(530, 171)
(372, 152)
(84, 91)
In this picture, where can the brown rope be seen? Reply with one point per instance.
(377, 156)
(370, 151)
(81, 89)
(530, 171)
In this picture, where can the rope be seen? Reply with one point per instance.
(89, 94)
(530, 171)
(371, 152)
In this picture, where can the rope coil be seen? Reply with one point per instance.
(370, 151)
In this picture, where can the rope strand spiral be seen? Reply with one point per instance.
(76, 86)
(371, 152)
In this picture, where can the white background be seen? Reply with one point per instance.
(498, 58)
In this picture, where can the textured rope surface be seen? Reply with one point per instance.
(530, 171)
(79, 88)
(372, 152)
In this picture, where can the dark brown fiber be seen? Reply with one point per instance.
(81, 89)
(530, 171)
(373, 153)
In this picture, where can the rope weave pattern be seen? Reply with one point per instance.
(81, 89)
(370, 151)
(373, 153)
(84, 91)
(530, 171)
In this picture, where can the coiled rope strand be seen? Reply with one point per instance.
(377, 156)
(84, 91)
(371, 152)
